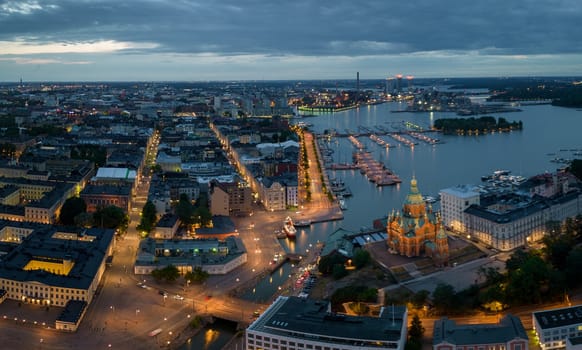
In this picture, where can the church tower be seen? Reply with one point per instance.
(417, 230)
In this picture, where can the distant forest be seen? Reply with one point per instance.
(564, 92)
(482, 125)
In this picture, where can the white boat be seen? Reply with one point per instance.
(302, 223)
(342, 204)
(289, 228)
(429, 199)
(337, 186)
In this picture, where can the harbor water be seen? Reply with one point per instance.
(548, 133)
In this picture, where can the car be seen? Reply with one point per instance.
(256, 313)
(178, 297)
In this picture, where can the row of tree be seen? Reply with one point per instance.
(74, 213)
(170, 274)
(531, 277)
(481, 124)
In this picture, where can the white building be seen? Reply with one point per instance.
(509, 222)
(554, 327)
(454, 201)
(294, 323)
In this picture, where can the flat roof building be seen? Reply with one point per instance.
(554, 327)
(298, 323)
(507, 334)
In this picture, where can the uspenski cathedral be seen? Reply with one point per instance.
(417, 230)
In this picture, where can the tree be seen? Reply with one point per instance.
(415, 334)
(526, 283)
(327, 263)
(185, 209)
(491, 275)
(517, 259)
(111, 217)
(443, 297)
(197, 275)
(416, 329)
(361, 258)
(169, 273)
(557, 247)
(419, 298)
(148, 217)
(573, 267)
(70, 209)
(338, 271)
(84, 220)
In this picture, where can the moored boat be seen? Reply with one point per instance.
(302, 223)
(289, 228)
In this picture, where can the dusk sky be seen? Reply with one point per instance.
(153, 40)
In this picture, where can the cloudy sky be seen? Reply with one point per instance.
(149, 40)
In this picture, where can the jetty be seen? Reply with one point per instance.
(403, 140)
(423, 137)
(374, 170)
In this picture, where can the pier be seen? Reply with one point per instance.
(374, 170)
(425, 138)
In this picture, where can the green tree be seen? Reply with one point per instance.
(557, 247)
(327, 263)
(491, 275)
(573, 267)
(148, 217)
(526, 283)
(197, 275)
(361, 258)
(111, 217)
(338, 271)
(71, 208)
(419, 298)
(517, 259)
(185, 210)
(416, 329)
(84, 220)
(443, 297)
(94, 153)
(169, 273)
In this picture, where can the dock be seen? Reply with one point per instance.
(374, 170)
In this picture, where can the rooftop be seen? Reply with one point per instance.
(312, 319)
(509, 328)
(559, 317)
(86, 249)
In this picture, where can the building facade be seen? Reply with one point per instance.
(51, 265)
(233, 198)
(507, 223)
(454, 201)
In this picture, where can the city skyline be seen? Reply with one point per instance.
(259, 40)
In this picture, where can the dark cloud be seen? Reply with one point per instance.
(303, 27)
